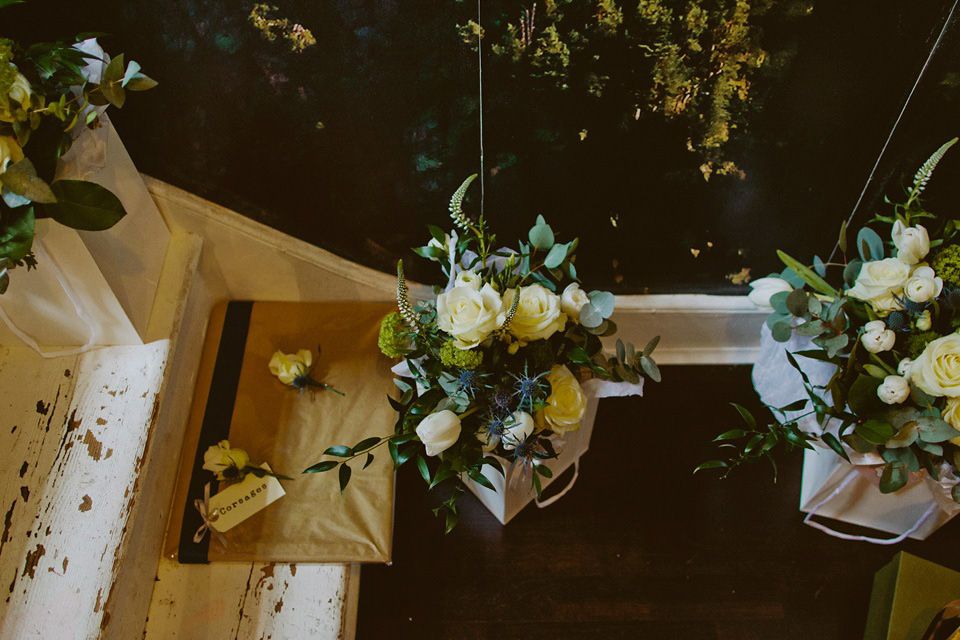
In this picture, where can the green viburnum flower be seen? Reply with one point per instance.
(917, 342)
(392, 340)
(946, 264)
(450, 356)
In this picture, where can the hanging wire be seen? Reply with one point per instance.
(480, 78)
(923, 71)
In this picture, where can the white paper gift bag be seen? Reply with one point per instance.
(831, 486)
(90, 288)
(514, 490)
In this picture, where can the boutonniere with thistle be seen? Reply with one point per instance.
(294, 369)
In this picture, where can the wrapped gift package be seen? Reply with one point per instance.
(238, 399)
(908, 594)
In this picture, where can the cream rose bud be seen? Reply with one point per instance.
(913, 243)
(951, 413)
(221, 457)
(937, 370)
(17, 99)
(290, 367)
(468, 279)
(517, 430)
(572, 300)
(923, 321)
(469, 314)
(878, 280)
(538, 312)
(762, 289)
(876, 337)
(439, 431)
(904, 367)
(10, 152)
(923, 285)
(894, 389)
(566, 403)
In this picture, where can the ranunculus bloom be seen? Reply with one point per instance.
(10, 152)
(762, 289)
(439, 431)
(913, 243)
(878, 281)
(538, 313)
(904, 367)
(468, 314)
(566, 403)
(923, 285)
(876, 337)
(572, 300)
(227, 463)
(894, 390)
(290, 367)
(468, 279)
(937, 370)
(13, 106)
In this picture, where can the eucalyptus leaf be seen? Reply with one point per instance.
(650, 368)
(21, 179)
(874, 431)
(894, 478)
(905, 437)
(541, 235)
(869, 244)
(590, 316)
(603, 301)
(781, 331)
(935, 430)
(556, 256)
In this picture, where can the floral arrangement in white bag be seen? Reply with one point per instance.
(881, 361)
(496, 359)
(49, 93)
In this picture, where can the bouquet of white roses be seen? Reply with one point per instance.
(47, 97)
(492, 367)
(881, 331)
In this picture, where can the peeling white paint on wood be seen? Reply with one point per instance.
(252, 600)
(70, 462)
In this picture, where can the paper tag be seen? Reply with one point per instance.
(239, 501)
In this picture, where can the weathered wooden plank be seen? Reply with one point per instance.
(75, 468)
(252, 600)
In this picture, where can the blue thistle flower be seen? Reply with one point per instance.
(528, 388)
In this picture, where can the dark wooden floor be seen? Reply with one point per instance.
(640, 548)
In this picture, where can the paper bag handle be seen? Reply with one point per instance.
(549, 501)
(77, 305)
(846, 536)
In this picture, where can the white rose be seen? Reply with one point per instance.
(518, 429)
(923, 321)
(221, 460)
(876, 337)
(468, 279)
(937, 370)
(893, 390)
(13, 105)
(572, 300)
(566, 403)
(913, 243)
(290, 367)
(762, 289)
(468, 314)
(439, 431)
(878, 281)
(923, 285)
(904, 367)
(538, 313)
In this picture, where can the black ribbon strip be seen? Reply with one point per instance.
(216, 422)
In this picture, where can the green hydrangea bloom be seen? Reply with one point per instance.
(946, 264)
(917, 342)
(7, 70)
(539, 354)
(450, 356)
(393, 336)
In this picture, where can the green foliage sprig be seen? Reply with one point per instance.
(46, 98)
